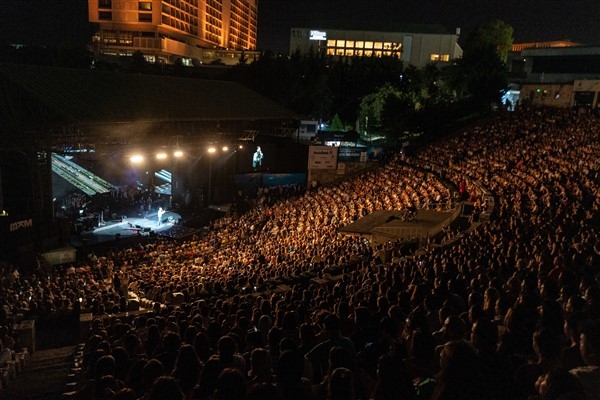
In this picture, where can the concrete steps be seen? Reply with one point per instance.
(44, 376)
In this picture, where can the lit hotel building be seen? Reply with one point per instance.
(418, 46)
(168, 31)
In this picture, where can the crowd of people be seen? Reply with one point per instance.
(510, 311)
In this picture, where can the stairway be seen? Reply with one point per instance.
(44, 377)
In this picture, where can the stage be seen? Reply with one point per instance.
(382, 226)
(126, 226)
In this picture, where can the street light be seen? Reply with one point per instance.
(211, 151)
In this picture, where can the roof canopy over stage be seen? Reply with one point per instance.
(60, 106)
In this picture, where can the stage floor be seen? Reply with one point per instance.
(426, 219)
(136, 226)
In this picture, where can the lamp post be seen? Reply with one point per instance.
(211, 151)
(175, 190)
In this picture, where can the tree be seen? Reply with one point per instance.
(243, 59)
(482, 68)
(387, 112)
(138, 62)
(336, 124)
(496, 34)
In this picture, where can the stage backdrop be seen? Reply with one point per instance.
(249, 183)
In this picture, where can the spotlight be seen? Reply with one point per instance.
(136, 158)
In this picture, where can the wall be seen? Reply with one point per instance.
(547, 94)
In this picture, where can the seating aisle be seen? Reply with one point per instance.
(44, 376)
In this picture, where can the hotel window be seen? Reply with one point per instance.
(125, 38)
(339, 52)
(105, 15)
(368, 45)
(110, 37)
(340, 43)
(350, 43)
(378, 53)
(105, 4)
(358, 53)
(368, 53)
(331, 43)
(378, 45)
(331, 52)
(145, 6)
(359, 44)
(387, 46)
(145, 17)
(439, 57)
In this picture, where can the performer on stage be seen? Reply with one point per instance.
(160, 214)
(257, 158)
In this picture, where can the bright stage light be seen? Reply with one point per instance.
(225, 148)
(178, 153)
(136, 159)
(211, 150)
(161, 156)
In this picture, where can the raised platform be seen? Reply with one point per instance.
(137, 226)
(385, 225)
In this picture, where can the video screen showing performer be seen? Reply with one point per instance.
(257, 159)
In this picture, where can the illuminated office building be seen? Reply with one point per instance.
(169, 31)
(418, 47)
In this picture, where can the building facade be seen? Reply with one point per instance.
(433, 45)
(169, 31)
(583, 93)
(556, 74)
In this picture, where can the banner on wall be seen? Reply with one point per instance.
(322, 157)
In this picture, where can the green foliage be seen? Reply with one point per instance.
(43, 55)
(138, 62)
(317, 86)
(496, 34)
(243, 59)
(336, 124)
(387, 112)
(481, 73)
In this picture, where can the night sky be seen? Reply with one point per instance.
(64, 22)
(532, 20)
